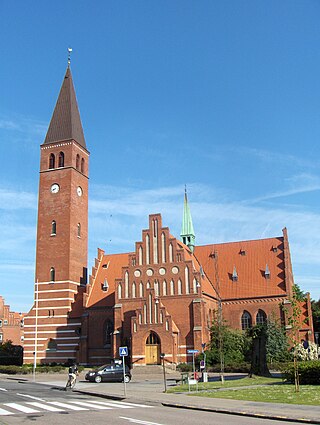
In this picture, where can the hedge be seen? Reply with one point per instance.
(309, 372)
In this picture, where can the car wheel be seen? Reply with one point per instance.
(127, 379)
(97, 379)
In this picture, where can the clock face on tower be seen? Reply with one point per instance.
(55, 188)
(79, 191)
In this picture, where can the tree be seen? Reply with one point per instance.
(234, 345)
(277, 345)
(315, 306)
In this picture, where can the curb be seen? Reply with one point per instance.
(240, 413)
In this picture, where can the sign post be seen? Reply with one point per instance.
(193, 352)
(123, 352)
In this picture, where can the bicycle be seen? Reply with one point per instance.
(71, 382)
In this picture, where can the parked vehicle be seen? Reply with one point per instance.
(109, 373)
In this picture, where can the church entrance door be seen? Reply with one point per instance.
(153, 349)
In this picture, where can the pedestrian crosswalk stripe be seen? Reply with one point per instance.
(120, 406)
(130, 404)
(21, 408)
(89, 404)
(67, 406)
(5, 412)
(44, 406)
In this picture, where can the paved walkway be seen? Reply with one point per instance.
(150, 389)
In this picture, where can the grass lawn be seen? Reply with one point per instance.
(232, 383)
(270, 390)
(309, 394)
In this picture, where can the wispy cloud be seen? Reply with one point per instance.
(17, 200)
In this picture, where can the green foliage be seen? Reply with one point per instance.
(184, 367)
(309, 373)
(277, 343)
(235, 345)
(11, 354)
(298, 293)
(315, 306)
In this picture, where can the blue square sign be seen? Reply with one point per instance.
(123, 351)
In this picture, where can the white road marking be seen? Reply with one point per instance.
(88, 404)
(44, 406)
(119, 406)
(5, 412)
(67, 406)
(30, 396)
(3, 389)
(21, 408)
(131, 404)
(138, 421)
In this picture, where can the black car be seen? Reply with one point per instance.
(109, 373)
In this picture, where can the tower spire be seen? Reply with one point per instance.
(65, 123)
(187, 231)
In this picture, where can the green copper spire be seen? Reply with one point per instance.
(187, 232)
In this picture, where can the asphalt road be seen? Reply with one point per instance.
(26, 403)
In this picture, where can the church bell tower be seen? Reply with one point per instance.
(62, 234)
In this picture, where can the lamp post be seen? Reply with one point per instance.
(36, 330)
(164, 372)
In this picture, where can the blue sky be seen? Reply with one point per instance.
(223, 96)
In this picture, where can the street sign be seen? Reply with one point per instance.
(123, 351)
(193, 351)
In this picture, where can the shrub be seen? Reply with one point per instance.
(309, 372)
(184, 367)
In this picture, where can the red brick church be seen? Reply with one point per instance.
(160, 298)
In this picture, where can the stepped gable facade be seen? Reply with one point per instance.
(162, 297)
(11, 324)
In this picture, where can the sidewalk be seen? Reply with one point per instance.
(150, 390)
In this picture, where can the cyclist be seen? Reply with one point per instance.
(73, 372)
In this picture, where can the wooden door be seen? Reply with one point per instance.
(152, 354)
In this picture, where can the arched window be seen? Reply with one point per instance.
(153, 339)
(52, 345)
(51, 161)
(179, 287)
(52, 274)
(261, 317)
(79, 230)
(246, 321)
(119, 291)
(133, 294)
(164, 288)
(171, 287)
(141, 290)
(107, 332)
(53, 228)
(61, 159)
(82, 165)
(77, 161)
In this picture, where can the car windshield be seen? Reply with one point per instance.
(104, 366)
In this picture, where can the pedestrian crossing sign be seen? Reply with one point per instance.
(123, 351)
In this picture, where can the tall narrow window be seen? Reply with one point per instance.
(141, 290)
(107, 332)
(140, 256)
(171, 253)
(82, 165)
(179, 287)
(163, 247)
(119, 291)
(53, 228)
(164, 288)
(51, 161)
(171, 287)
(79, 230)
(261, 317)
(52, 274)
(126, 285)
(77, 161)
(246, 321)
(61, 159)
(156, 288)
(147, 249)
(133, 290)
(186, 276)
